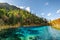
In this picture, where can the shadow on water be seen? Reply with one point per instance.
(9, 34)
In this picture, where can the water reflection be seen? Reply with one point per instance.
(54, 32)
(33, 33)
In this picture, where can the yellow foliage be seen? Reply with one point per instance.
(56, 23)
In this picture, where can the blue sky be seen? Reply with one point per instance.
(49, 9)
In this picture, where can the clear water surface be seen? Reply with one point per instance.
(31, 33)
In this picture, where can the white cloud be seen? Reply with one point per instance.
(46, 3)
(28, 9)
(58, 11)
(49, 14)
(22, 7)
(42, 14)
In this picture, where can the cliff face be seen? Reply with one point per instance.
(56, 23)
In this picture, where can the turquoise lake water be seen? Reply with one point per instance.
(31, 33)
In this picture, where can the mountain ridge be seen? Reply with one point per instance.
(12, 15)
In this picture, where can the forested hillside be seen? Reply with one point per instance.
(56, 23)
(12, 15)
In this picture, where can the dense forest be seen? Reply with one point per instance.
(12, 15)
